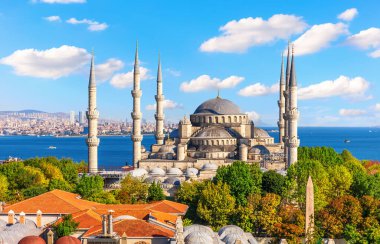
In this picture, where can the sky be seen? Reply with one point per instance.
(205, 46)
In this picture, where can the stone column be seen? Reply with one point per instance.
(309, 225)
(243, 152)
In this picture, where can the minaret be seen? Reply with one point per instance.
(281, 104)
(136, 114)
(92, 118)
(159, 108)
(292, 115)
(286, 96)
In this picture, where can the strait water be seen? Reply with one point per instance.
(116, 151)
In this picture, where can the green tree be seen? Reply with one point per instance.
(242, 178)
(33, 191)
(3, 188)
(273, 182)
(340, 179)
(216, 205)
(327, 156)
(189, 193)
(267, 216)
(60, 184)
(155, 192)
(133, 190)
(89, 186)
(65, 227)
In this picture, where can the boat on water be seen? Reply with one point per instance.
(52, 147)
(347, 141)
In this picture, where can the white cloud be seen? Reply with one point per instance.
(123, 80)
(319, 37)
(343, 86)
(105, 70)
(51, 63)
(258, 89)
(367, 39)
(173, 72)
(377, 107)
(205, 82)
(60, 1)
(53, 18)
(168, 104)
(352, 112)
(254, 116)
(238, 36)
(92, 25)
(349, 14)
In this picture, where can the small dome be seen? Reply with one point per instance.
(254, 150)
(259, 149)
(166, 149)
(234, 237)
(174, 171)
(198, 238)
(230, 229)
(138, 172)
(258, 132)
(191, 172)
(217, 106)
(157, 172)
(152, 179)
(214, 133)
(197, 228)
(68, 240)
(209, 167)
(172, 181)
(32, 240)
(143, 149)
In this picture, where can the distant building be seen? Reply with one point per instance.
(72, 117)
(81, 117)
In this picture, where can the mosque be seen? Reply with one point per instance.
(216, 134)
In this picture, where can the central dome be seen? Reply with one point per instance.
(218, 106)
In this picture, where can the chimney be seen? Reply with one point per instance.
(22, 218)
(11, 217)
(110, 224)
(2, 204)
(50, 237)
(104, 224)
(39, 219)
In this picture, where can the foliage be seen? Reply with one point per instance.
(215, 204)
(340, 179)
(155, 192)
(89, 186)
(33, 191)
(267, 215)
(59, 184)
(273, 182)
(103, 197)
(3, 188)
(133, 190)
(65, 227)
(327, 156)
(189, 193)
(242, 178)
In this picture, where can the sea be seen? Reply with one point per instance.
(116, 151)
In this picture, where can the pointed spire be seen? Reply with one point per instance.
(282, 78)
(137, 65)
(159, 71)
(92, 81)
(292, 78)
(218, 96)
(288, 65)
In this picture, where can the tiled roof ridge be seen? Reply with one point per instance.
(65, 200)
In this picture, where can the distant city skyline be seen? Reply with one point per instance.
(231, 46)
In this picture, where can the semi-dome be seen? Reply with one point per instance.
(174, 171)
(214, 133)
(166, 149)
(218, 106)
(258, 132)
(259, 149)
(157, 172)
(209, 167)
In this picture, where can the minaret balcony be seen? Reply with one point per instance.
(281, 124)
(285, 93)
(136, 93)
(92, 141)
(159, 116)
(281, 103)
(136, 138)
(293, 114)
(92, 114)
(159, 98)
(160, 137)
(293, 142)
(136, 115)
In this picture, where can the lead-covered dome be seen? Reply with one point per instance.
(218, 105)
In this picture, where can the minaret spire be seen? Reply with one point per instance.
(281, 103)
(159, 116)
(136, 114)
(292, 115)
(92, 118)
(286, 96)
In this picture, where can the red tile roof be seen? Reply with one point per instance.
(133, 228)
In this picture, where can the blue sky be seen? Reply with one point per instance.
(234, 46)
